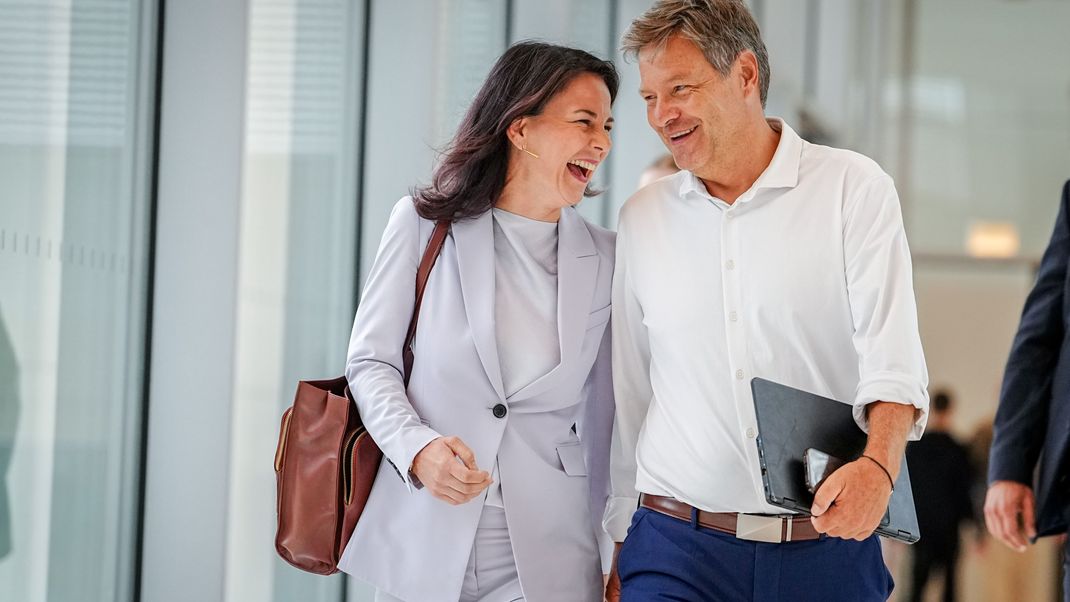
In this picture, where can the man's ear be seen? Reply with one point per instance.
(746, 71)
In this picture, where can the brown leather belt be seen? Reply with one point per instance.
(753, 527)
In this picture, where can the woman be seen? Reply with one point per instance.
(495, 478)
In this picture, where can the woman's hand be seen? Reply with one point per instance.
(451, 481)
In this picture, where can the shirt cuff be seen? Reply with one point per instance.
(893, 388)
(618, 516)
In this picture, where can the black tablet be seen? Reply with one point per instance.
(790, 421)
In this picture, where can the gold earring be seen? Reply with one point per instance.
(525, 149)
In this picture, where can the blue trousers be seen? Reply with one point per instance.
(664, 558)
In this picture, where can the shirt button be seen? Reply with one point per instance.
(739, 375)
(499, 410)
(733, 316)
(751, 433)
(730, 264)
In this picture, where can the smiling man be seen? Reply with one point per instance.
(766, 256)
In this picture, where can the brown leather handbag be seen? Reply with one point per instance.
(326, 462)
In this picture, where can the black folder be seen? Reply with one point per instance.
(790, 421)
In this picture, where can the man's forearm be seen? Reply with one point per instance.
(889, 425)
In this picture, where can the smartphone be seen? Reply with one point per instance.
(819, 466)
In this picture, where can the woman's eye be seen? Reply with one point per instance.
(584, 121)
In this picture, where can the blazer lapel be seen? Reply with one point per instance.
(577, 269)
(474, 240)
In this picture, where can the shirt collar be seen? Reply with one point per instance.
(782, 171)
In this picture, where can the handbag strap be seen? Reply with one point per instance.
(434, 247)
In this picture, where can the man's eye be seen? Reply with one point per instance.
(679, 89)
(584, 121)
(648, 98)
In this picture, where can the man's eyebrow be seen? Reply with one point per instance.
(678, 80)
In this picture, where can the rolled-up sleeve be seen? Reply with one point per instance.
(632, 392)
(880, 287)
(374, 367)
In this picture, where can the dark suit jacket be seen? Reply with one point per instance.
(1033, 421)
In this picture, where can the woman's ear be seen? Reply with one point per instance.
(517, 132)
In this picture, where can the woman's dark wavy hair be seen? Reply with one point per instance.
(471, 171)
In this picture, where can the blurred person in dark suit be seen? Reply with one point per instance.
(1028, 475)
(941, 477)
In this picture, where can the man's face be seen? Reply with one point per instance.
(688, 103)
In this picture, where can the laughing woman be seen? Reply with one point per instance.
(500, 441)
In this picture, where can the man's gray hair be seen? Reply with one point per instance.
(720, 28)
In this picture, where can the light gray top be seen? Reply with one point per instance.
(525, 305)
(525, 298)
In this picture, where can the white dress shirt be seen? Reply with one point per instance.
(805, 280)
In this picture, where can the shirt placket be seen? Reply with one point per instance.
(735, 335)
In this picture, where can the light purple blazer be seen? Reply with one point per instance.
(554, 481)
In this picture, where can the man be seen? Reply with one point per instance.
(765, 257)
(1032, 427)
(940, 477)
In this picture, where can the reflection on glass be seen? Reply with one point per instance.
(74, 83)
(297, 261)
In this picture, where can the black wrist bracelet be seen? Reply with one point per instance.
(891, 482)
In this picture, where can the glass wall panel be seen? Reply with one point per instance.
(425, 65)
(297, 265)
(988, 125)
(75, 91)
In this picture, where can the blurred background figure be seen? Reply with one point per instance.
(942, 479)
(663, 166)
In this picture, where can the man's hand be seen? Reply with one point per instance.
(1009, 508)
(447, 479)
(851, 502)
(613, 583)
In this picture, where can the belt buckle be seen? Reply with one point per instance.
(769, 529)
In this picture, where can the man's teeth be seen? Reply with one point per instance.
(675, 136)
(584, 164)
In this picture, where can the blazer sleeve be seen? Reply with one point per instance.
(374, 367)
(1018, 432)
(596, 430)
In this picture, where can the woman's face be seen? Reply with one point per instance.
(571, 139)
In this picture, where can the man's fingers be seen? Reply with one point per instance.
(995, 525)
(826, 495)
(1028, 517)
(462, 451)
(827, 522)
(1007, 518)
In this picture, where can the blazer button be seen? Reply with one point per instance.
(499, 410)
